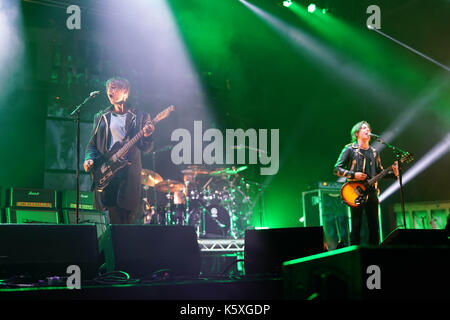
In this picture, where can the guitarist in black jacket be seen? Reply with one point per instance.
(359, 161)
(115, 124)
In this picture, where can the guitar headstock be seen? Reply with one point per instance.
(163, 114)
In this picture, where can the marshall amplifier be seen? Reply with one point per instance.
(30, 198)
(23, 215)
(69, 200)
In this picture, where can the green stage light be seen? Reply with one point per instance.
(287, 3)
(311, 8)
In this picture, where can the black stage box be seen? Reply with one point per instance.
(42, 251)
(142, 250)
(266, 249)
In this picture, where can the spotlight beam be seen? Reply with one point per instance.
(326, 57)
(433, 155)
(439, 86)
(411, 49)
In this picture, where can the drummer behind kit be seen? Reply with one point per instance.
(216, 202)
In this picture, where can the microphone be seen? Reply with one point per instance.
(93, 93)
(374, 135)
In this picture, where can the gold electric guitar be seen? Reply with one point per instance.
(356, 193)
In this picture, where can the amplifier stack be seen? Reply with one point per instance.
(24, 205)
(41, 206)
(87, 213)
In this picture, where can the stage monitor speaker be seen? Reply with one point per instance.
(265, 250)
(370, 273)
(142, 250)
(416, 237)
(41, 250)
(30, 216)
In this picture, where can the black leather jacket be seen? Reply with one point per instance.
(351, 160)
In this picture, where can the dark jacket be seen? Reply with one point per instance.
(351, 160)
(130, 187)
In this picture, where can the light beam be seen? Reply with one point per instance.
(426, 161)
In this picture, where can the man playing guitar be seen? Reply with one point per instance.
(359, 161)
(116, 124)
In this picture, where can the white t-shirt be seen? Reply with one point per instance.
(117, 128)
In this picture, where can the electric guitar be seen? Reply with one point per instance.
(107, 166)
(356, 193)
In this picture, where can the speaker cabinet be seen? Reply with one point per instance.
(266, 249)
(370, 273)
(324, 207)
(142, 250)
(30, 216)
(416, 237)
(99, 219)
(42, 251)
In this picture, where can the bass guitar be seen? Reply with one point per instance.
(356, 193)
(106, 167)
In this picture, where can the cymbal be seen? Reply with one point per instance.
(228, 171)
(194, 170)
(169, 186)
(150, 178)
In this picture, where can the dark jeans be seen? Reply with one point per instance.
(371, 210)
(109, 197)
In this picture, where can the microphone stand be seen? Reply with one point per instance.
(76, 113)
(155, 205)
(399, 153)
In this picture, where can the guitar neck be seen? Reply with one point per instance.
(406, 158)
(379, 176)
(127, 146)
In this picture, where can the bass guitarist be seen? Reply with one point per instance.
(117, 123)
(359, 161)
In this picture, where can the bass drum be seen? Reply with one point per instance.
(217, 221)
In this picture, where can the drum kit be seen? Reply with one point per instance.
(216, 202)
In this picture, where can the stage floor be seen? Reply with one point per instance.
(211, 288)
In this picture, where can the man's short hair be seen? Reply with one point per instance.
(356, 129)
(118, 82)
